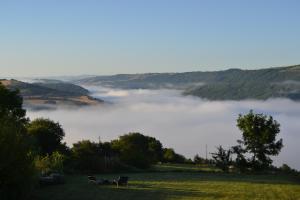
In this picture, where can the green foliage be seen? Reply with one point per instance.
(199, 160)
(87, 156)
(11, 104)
(68, 89)
(288, 170)
(17, 173)
(232, 84)
(259, 138)
(50, 163)
(222, 158)
(241, 162)
(47, 135)
(179, 185)
(138, 150)
(170, 156)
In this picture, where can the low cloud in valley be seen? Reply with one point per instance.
(186, 124)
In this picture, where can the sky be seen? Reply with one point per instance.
(95, 37)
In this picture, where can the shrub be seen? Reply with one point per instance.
(50, 163)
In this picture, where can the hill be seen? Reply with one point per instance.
(49, 94)
(231, 84)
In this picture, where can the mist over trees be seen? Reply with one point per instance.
(31, 149)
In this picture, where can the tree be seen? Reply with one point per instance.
(259, 138)
(241, 162)
(222, 158)
(11, 104)
(17, 172)
(285, 168)
(47, 135)
(170, 156)
(86, 156)
(94, 157)
(138, 150)
(199, 160)
(155, 149)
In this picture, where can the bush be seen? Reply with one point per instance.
(199, 160)
(222, 158)
(50, 163)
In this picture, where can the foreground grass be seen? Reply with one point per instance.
(177, 185)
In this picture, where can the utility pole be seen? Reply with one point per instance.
(206, 152)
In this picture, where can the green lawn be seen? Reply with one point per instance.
(183, 168)
(177, 185)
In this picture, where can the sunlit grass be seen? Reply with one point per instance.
(178, 185)
(184, 168)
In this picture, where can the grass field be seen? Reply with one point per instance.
(177, 185)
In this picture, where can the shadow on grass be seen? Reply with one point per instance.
(137, 191)
(159, 186)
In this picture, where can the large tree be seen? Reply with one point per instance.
(11, 104)
(138, 150)
(86, 156)
(47, 135)
(170, 156)
(259, 134)
(93, 157)
(16, 163)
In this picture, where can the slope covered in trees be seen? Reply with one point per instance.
(231, 84)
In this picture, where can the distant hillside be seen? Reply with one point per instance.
(51, 94)
(232, 84)
(64, 87)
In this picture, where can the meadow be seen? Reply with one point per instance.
(175, 183)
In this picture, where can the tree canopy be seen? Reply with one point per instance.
(11, 104)
(47, 134)
(259, 134)
(170, 156)
(138, 150)
(16, 166)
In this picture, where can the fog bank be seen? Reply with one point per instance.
(186, 124)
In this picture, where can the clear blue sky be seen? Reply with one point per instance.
(61, 37)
